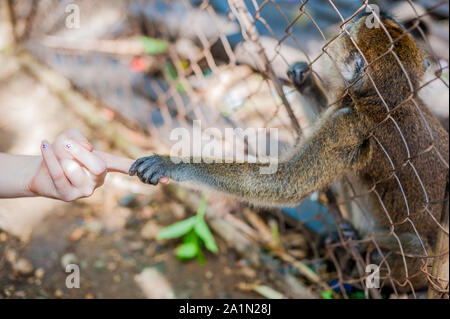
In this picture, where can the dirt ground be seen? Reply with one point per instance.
(111, 254)
(110, 235)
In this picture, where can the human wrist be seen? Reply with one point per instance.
(17, 172)
(30, 171)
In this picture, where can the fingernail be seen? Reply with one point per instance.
(68, 146)
(44, 145)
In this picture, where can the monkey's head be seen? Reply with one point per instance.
(379, 59)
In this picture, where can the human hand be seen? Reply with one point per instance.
(70, 169)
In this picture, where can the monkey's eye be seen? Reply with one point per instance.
(359, 64)
(426, 64)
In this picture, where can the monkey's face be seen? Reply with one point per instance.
(348, 62)
(378, 60)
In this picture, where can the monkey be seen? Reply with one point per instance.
(378, 135)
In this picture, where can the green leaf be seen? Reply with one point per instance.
(187, 251)
(171, 76)
(202, 230)
(358, 295)
(154, 46)
(191, 237)
(202, 207)
(178, 229)
(180, 87)
(327, 294)
(170, 71)
(200, 257)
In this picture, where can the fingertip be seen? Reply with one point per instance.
(45, 145)
(69, 145)
(133, 172)
(47, 151)
(133, 169)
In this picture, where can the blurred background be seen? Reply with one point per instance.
(126, 73)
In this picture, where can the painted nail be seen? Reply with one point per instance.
(44, 145)
(68, 146)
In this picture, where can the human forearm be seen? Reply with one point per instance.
(16, 173)
(67, 169)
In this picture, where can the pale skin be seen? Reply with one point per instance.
(67, 169)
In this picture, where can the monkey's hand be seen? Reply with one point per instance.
(301, 75)
(152, 169)
(307, 84)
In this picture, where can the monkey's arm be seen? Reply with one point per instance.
(325, 156)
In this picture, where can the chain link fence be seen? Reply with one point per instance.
(160, 65)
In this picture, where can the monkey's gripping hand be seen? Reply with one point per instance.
(300, 75)
(306, 83)
(151, 169)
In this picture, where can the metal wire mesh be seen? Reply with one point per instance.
(223, 66)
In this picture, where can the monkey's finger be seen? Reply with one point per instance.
(157, 176)
(115, 163)
(93, 163)
(152, 174)
(145, 166)
(77, 136)
(148, 163)
(54, 168)
(136, 165)
(142, 165)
